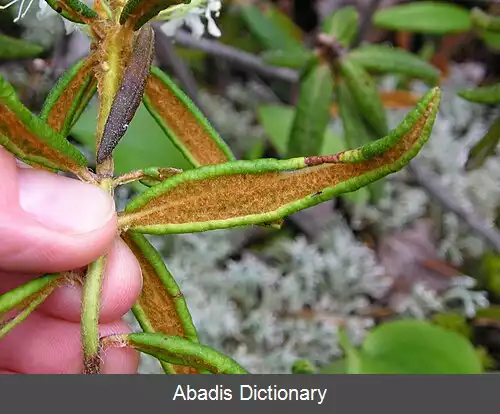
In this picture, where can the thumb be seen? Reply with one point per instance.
(58, 224)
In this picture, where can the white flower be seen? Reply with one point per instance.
(191, 15)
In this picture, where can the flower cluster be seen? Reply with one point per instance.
(191, 15)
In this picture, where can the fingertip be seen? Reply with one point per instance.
(121, 287)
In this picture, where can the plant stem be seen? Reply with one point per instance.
(90, 307)
(90, 316)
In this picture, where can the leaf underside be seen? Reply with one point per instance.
(31, 139)
(183, 123)
(70, 96)
(161, 308)
(138, 12)
(252, 192)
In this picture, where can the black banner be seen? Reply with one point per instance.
(248, 393)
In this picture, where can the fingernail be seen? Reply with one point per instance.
(64, 204)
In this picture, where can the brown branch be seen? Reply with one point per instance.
(243, 59)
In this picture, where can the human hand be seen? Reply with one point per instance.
(49, 224)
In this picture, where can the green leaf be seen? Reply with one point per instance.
(178, 351)
(270, 29)
(492, 39)
(484, 148)
(357, 133)
(277, 121)
(32, 140)
(303, 367)
(312, 112)
(485, 21)
(365, 94)
(26, 299)
(12, 299)
(73, 10)
(136, 13)
(137, 150)
(491, 312)
(183, 123)
(70, 96)
(489, 273)
(486, 94)
(414, 347)
(382, 58)
(161, 307)
(342, 25)
(295, 59)
(11, 48)
(241, 193)
(424, 17)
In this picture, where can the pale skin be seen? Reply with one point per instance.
(48, 224)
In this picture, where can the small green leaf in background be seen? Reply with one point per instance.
(303, 367)
(484, 148)
(485, 21)
(413, 347)
(144, 144)
(357, 133)
(365, 94)
(277, 120)
(453, 322)
(11, 48)
(489, 273)
(485, 94)
(274, 29)
(295, 59)
(342, 25)
(424, 17)
(382, 58)
(492, 39)
(312, 112)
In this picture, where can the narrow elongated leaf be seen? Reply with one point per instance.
(240, 193)
(295, 59)
(357, 133)
(161, 307)
(486, 94)
(424, 17)
(178, 351)
(266, 26)
(129, 96)
(365, 94)
(26, 298)
(138, 12)
(70, 96)
(342, 25)
(73, 10)
(32, 140)
(486, 147)
(277, 120)
(16, 297)
(414, 347)
(183, 123)
(12, 48)
(484, 20)
(312, 113)
(383, 58)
